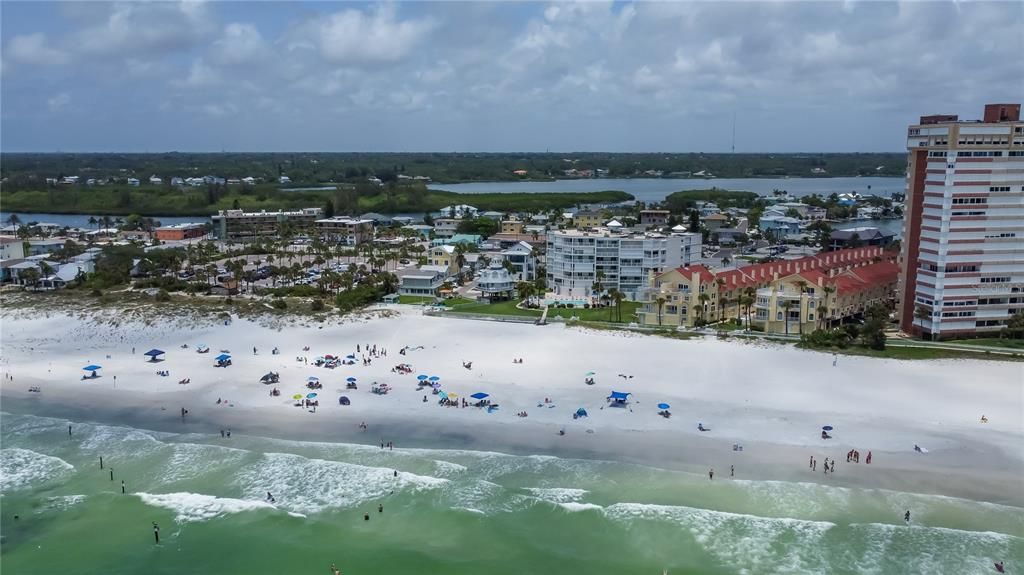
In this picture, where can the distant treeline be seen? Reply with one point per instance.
(120, 199)
(30, 170)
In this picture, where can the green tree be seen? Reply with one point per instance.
(694, 226)
(661, 303)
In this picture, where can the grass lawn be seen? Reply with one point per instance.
(600, 314)
(500, 308)
(991, 342)
(509, 308)
(902, 352)
(427, 300)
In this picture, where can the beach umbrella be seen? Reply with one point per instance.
(313, 379)
(452, 395)
(827, 427)
(92, 368)
(480, 395)
(350, 356)
(310, 396)
(328, 356)
(421, 377)
(590, 373)
(223, 357)
(434, 378)
(435, 385)
(351, 379)
(297, 396)
(443, 395)
(663, 406)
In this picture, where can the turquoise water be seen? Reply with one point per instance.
(447, 512)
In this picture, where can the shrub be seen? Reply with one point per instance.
(280, 304)
(586, 306)
(229, 301)
(317, 305)
(96, 293)
(162, 295)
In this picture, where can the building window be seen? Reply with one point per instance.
(996, 280)
(778, 316)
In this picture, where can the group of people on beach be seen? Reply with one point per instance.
(829, 467)
(853, 456)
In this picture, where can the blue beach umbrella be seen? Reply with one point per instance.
(421, 377)
(351, 379)
(92, 368)
(223, 357)
(350, 356)
(827, 428)
(434, 378)
(663, 406)
(310, 396)
(480, 395)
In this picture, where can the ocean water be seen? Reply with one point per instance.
(448, 512)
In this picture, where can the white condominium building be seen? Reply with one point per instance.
(962, 261)
(574, 258)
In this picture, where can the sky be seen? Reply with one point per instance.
(497, 76)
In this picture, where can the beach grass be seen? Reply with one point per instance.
(509, 308)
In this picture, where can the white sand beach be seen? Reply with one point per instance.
(772, 399)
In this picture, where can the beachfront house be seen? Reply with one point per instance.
(587, 219)
(862, 236)
(496, 283)
(421, 280)
(654, 217)
(511, 227)
(444, 256)
(714, 221)
(523, 261)
(779, 226)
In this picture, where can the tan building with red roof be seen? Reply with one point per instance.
(694, 295)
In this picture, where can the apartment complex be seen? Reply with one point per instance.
(854, 279)
(575, 257)
(962, 261)
(239, 225)
(344, 230)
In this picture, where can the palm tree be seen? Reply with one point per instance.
(612, 293)
(29, 276)
(822, 311)
(525, 290)
(746, 300)
(661, 304)
(93, 221)
(618, 296)
(14, 220)
(703, 298)
(719, 284)
(785, 313)
(827, 290)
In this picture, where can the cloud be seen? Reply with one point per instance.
(34, 49)
(240, 44)
(355, 37)
(58, 102)
(146, 28)
(508, 75)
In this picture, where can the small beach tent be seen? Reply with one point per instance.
(92, 369)
(581, 412)
(619, 397)
(154, 354)
(343, 400)
(480, 395)
(202, 348)
(221, 357)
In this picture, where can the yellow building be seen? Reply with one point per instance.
(443, 256)
(511, 227)
(584, 220)
(674, 297)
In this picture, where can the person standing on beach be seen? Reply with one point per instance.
(868, 459)
(69, 431)
(814, 464)
(906, 516)
(810, 463)
(711, 473)
(732, 471)
(833, 470)
(835, 358)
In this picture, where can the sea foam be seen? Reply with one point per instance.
(190, 507)
(23, 468)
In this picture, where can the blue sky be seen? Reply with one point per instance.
(497, 76)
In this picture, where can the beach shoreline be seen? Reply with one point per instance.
(775, 422)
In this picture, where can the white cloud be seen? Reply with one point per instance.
(240, 44)
(147, 27)
(59, 101)
(356, 37)
(200, 74)
(34, 49)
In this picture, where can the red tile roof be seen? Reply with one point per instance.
(866, 277)
(706, 276)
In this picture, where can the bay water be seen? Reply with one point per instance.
(447, 511)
